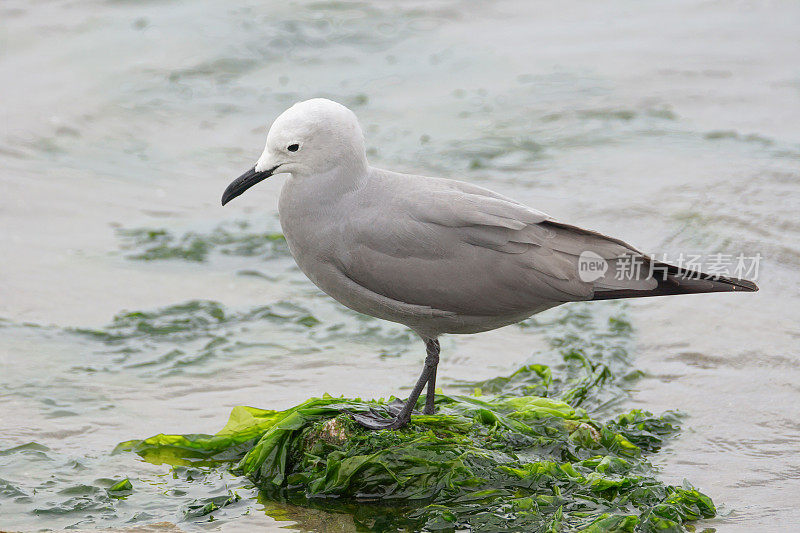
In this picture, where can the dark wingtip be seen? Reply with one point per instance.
(719, 283)
(681, 281)
(742, 284)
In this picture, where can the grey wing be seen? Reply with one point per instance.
(463, 249)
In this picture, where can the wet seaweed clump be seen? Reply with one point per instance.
(519, 454)
(481, 463)
(232, 238)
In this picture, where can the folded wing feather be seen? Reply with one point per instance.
(462, 248)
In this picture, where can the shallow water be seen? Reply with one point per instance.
(671, 126)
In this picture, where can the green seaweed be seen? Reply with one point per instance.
(521, 453)
(195, 336)
(120, 489)
(193, 320)
(207, 506)
(191, 337)
(232, 238)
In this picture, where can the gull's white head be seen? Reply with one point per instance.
(310, 138)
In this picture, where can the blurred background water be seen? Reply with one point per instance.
(671, 125)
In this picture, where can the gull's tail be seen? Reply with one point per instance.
(672, 279)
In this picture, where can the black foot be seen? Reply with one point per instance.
(395, 407)
(374, 420)
(429, 409)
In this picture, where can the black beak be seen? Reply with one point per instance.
(244, 182)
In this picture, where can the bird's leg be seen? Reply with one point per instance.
(373, 420)
(430, 396)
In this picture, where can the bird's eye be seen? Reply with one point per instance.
(293, 147)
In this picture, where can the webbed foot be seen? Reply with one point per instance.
(395, 407)
(374, 420)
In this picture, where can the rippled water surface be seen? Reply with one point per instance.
(131, 303)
